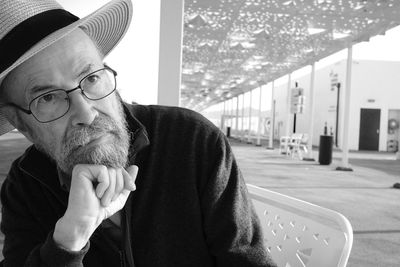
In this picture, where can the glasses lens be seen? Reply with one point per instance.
(99, 84)
(50, 106)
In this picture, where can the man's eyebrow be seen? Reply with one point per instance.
(40, 88)
(86, 70)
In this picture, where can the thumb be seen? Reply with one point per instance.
(130, 177)
(133, 170)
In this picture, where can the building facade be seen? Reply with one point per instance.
(374, 113)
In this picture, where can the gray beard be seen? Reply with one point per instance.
(112, 153)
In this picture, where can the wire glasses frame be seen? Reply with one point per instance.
(54, 104)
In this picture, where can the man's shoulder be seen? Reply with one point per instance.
(30, 159)
(170, 115)
(15, 170)
(175, 123)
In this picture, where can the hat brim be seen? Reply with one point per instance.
(106, 26)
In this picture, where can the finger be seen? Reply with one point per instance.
(129, 177)
(106, 199)
(119, 184)
(103, 181)
(118, 204)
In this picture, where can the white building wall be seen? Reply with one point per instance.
(377, 86)
(374, 85)
(280, 109)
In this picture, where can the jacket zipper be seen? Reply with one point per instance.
(122, 258)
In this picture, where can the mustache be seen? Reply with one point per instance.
(82, 135)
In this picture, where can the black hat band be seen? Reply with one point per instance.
(29, 32)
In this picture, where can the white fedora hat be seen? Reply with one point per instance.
(27, 27)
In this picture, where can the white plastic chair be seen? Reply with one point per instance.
(297, 145)
(293, 145)
(301, 234)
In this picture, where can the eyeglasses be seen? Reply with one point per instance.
(54, 104)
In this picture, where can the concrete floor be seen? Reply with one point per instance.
(365, 196)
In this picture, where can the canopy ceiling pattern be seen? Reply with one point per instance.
(233, 46)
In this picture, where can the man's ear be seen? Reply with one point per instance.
(14, 118)
(11, 113)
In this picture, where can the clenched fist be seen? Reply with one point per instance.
(96, 193)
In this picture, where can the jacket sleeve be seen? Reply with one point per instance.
(25, 240)
(232, 228)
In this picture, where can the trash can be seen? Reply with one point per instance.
(325, 149)
(228, 131)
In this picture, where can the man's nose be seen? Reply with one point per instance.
(81, 109)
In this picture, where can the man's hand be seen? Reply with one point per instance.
(96, 193)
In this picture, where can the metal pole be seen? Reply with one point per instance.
(242, 128)
(288, 102)
(337, 114)
(249, 134)
(259, 119)
(237, 116)
(271, 128)
(310, 115)
(344, 165)
(223, 118)
(227, 113)
(230, 113)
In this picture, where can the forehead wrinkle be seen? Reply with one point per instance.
(37, 79)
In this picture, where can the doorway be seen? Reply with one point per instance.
(369, 129)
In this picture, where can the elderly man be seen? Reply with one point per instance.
(66, 200)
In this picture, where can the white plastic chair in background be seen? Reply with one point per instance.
(294, 145)
(297, 145)
(301, 234)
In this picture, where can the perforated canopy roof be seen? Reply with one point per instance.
(233, 46)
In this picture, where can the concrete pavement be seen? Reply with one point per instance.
(365, 196)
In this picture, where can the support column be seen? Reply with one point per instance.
(223, 118)
(227, 113)
(169, 70)
(249, 134)
(242, 128)
(344, 165)
(259, 119)
(272, 124)
(237, 117)
(311, 116)
(231, 114)
(288, 124)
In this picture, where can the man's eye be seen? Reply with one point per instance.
(92, 78)
(46, 98)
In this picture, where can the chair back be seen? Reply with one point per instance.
(304, 139)
(301, 234)
(297, 136)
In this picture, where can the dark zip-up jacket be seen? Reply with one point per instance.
(190, 207)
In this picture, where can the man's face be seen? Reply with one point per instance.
(92, 132)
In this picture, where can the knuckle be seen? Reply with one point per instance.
(103, 168)
(77, 168)
(112, 171)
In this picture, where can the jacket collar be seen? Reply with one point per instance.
(42, 168)
(139, 135)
